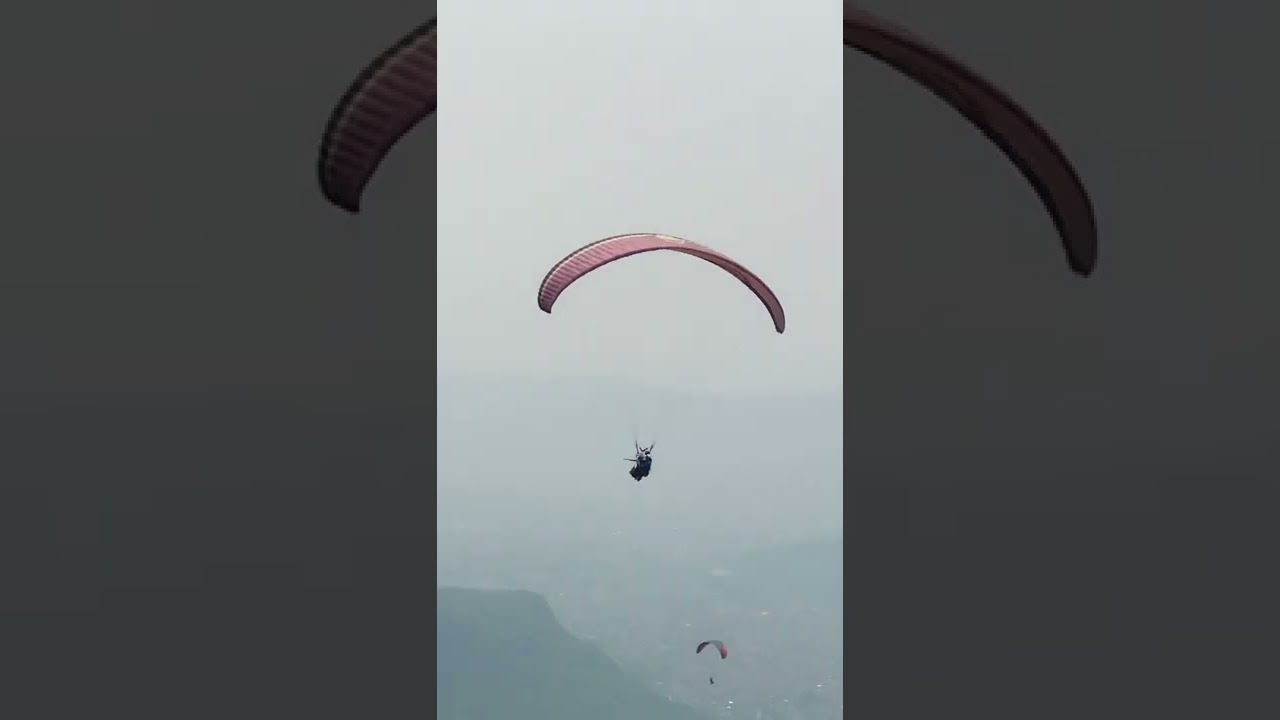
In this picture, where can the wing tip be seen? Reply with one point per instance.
(350, 205)
(1082, 268)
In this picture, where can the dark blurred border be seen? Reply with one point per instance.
(1093, 544)
(217, 418)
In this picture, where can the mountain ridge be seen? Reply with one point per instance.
(502, 654)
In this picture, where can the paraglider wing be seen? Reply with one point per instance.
(724, 653)
(602, 252)
(392, 95)
(1041, 162)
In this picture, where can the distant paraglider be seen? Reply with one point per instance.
(1042, 163)
(724, 652)
(595, 255)
(391, 96)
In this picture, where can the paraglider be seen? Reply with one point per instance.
(595, 255)
(724, 652)
(390, 96)
(1018, 135)
(643, 462)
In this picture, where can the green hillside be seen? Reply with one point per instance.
(501, 655)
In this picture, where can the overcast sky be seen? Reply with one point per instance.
(573, 120)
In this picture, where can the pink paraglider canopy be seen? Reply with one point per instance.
(602, 252)
(1042, 163)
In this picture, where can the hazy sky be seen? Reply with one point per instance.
(573, 120)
